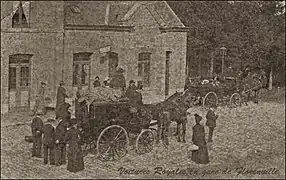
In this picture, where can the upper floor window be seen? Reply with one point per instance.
(144, 68)
(19, 19)
(81, 68)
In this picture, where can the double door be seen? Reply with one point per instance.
(19, 82)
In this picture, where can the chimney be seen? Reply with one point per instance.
(107, 14)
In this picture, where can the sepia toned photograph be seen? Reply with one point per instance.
(143, 89)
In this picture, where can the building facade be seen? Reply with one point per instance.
(78, 40)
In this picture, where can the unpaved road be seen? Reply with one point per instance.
(252, 137)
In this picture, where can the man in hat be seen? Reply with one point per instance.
(49, 141)
(118, 80)
(96, 82)
(37, 131)
(211, 121)
(39, 108)
(132, 94)
(61, 96)
(106, 82)
(201, 155)
(61, 129)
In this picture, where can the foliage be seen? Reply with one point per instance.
(252, 31)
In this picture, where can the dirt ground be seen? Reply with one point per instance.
(249, 137)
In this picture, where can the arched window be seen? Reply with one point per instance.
(144, 68)
(19, 19)
(81, 68)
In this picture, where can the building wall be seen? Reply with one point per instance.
(53, 62)
(43, 40)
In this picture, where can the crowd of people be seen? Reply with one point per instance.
(60, 137)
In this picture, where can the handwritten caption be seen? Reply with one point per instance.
(197, 172)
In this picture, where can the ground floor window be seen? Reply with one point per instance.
(81, 68)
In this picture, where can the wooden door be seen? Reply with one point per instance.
(19, 82)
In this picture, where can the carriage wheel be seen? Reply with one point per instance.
(145, 141)
(112, 143)
(235, 100)
(210, 99)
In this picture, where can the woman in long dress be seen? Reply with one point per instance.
(75, 155)
(201, 155)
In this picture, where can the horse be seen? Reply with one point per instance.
(173, 109)
(254, 81)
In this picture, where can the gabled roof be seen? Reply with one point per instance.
(96, 13)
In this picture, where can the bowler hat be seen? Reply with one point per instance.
(62, 83)
(42, 82)
(131, 81)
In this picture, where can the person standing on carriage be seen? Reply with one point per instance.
(201, 155)
(132, 94)
(49, 141)
(211, 122)
(75, 154)
(37, 131)
(61, 129)
(118, 80)
(61, 96)
(188, 83)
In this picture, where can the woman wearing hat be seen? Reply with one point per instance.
(75, 155)
(201, 155)
(132, 94)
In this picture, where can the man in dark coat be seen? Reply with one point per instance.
(75, 155)
(37, 131)
(61, 96)
(211, 122)
(132, 94)
(199, 156)
(61, 129)
(96, 82)
(118, 80)
(49, 141)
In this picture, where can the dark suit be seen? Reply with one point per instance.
(60, 148)
(37, 131)
(49, 143)
(211, 123)
(61, 95)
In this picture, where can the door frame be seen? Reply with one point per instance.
(18, 64)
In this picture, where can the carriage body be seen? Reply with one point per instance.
(109, 128)
(227, 92)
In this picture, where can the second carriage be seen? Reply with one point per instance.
(109, 129)
(209, 94)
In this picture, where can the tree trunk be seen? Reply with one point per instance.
(270, 78)
(212, 65)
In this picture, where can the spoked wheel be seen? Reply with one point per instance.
(235, 100)
(145, 141)
(112, 143)
(210, 99)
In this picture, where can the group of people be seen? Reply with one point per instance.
(117, 81)
(59, 138)
(201, 156)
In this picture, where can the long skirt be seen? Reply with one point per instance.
(75, 160)
(201, 155)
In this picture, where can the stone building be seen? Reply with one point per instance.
(75, 41)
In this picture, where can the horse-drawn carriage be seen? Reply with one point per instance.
(109, 128)
(231, 91)
(216, 94)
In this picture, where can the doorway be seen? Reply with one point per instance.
(167, 73)
(19, 81)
